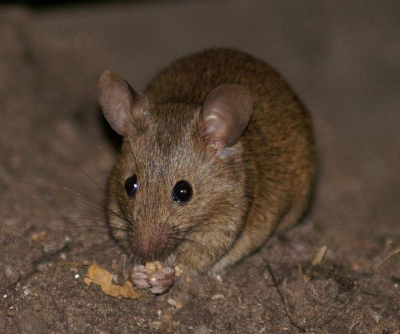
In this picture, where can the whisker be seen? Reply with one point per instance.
(62, 194)
(112, 249)
(196, 244)
(198, 228)
(123, 219)
(96, 199)
(48, 219)
(185, 258)
(112, 159)
(80, 169)
(80, 226)
(130, 259)
(100, 245)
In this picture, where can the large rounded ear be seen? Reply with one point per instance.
(226, 111)
(119, 101)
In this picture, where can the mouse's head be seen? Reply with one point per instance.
(177, 191)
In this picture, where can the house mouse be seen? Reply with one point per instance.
(217, 153)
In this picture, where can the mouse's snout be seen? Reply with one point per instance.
(152, 244)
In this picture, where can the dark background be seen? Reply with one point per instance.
(49, 4)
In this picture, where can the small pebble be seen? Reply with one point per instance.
(218, 296)
(27, 291)
(9, 272)
(155, 324)
(375, 315)
(171, 301)
(176, 303)
(11, 311)
(42, 266)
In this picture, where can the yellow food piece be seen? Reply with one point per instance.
(152, 267)
(102, 277)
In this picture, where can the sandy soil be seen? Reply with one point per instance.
(55, 152)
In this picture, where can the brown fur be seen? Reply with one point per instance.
(238, 201)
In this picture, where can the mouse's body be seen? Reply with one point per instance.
(218, 152)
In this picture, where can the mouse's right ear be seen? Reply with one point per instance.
(119, 101)
(227, 111)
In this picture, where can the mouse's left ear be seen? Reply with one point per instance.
(226, 112)
(121, 104)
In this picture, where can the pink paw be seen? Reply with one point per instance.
(153, 277)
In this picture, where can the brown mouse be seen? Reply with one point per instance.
(217, 153)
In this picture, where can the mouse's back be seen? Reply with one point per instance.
(191, 78)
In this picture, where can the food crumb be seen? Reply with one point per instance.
(152, 267)
(179, 305)
(105, 279)
(39, 237)
(320, 256)
(178, 271)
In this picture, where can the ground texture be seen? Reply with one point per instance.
(343, 59)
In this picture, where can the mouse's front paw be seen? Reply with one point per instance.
(153, 277)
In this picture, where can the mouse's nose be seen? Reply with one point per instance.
(153, 244)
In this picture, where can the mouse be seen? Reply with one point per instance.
(218, 153)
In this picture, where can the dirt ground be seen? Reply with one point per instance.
(343, 59)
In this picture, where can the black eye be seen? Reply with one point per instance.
(131, 185)
(182, 192)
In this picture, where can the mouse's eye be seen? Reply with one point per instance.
(182, 192)
(131, 185)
